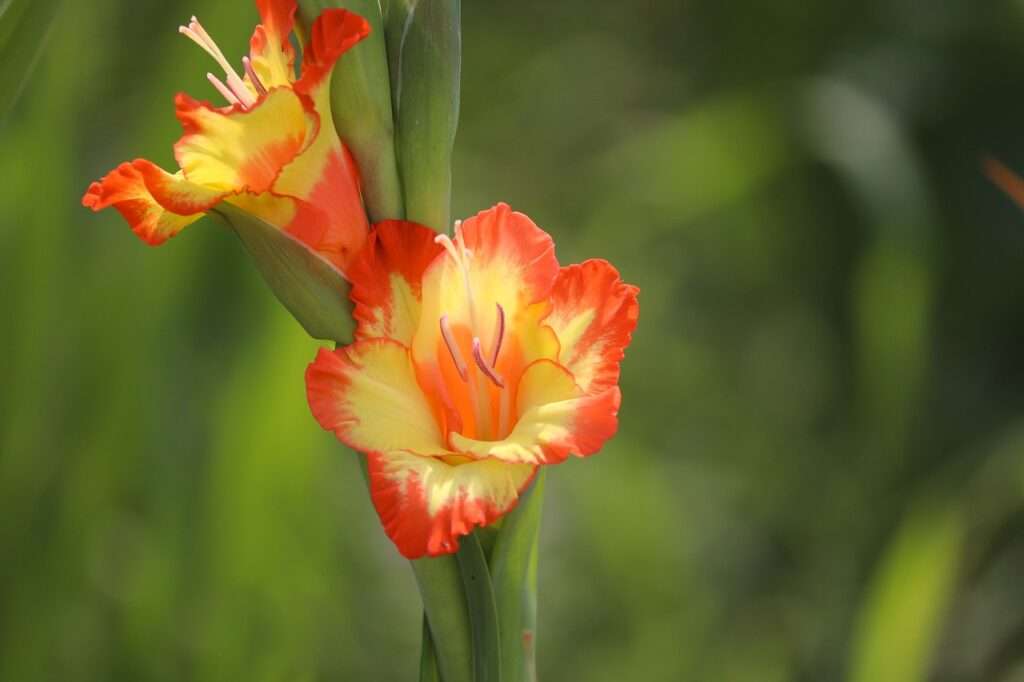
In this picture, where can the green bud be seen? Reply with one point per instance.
(312, 289)
(361, 107)
(425, 50)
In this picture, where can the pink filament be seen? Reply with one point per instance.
(482, 364)
(453, 348)
(499, 334)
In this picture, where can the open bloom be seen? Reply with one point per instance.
(272, 151)
(476, 360)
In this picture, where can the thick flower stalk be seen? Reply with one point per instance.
(477, 360)
(271, 151)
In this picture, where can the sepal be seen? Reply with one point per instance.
(312, 289)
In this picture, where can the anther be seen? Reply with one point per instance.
(251, 72)
(499, 334)
(478, 356)
(453, 348)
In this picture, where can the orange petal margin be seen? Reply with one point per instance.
(332, 34)
(386, 278)
(426, 503)
(155, 204)
(593, 314)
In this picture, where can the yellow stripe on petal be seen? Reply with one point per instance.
(555, 419)
(367, 394)
(426, 504)
(236, 150)
(270, 50)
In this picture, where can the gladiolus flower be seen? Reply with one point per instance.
(272, 151)
(476, 360)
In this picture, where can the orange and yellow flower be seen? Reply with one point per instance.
(272, 151)
(476, 360)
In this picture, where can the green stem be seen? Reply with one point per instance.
(483, 614)
(514, 571)
(428, 657)
(444, 603)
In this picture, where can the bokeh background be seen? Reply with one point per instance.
(820, 469)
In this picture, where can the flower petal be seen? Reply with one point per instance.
(332, 34)
(512, 265)
(270, 50)
(593, 314)
(134, 189)
(366, 393)
(326, 175)
(556, 419)
(386, 278)
(236, 150)
(426, 504)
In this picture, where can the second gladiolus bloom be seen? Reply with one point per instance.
(477, 359)
(272, 150)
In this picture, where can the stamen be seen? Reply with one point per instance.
(460, 241)
(224, 90)
(499, 334)
(197, 34)
(251, 72)
(446, 241)
(478, 356)
(453, 348)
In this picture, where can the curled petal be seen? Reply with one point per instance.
(156, 204)
(332, 34)
(239, 150)
(556, 419)
(367, 394)
(270, 50)
(593, 314)
(427, 503)
(386, 278)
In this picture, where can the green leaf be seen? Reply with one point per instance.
(24, 29)
(901, 621)
(312, 289)
(514, 574)
(424, 43)
(361, 108)
(483, 612)
(444, 604)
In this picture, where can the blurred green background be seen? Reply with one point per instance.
(820, 469)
